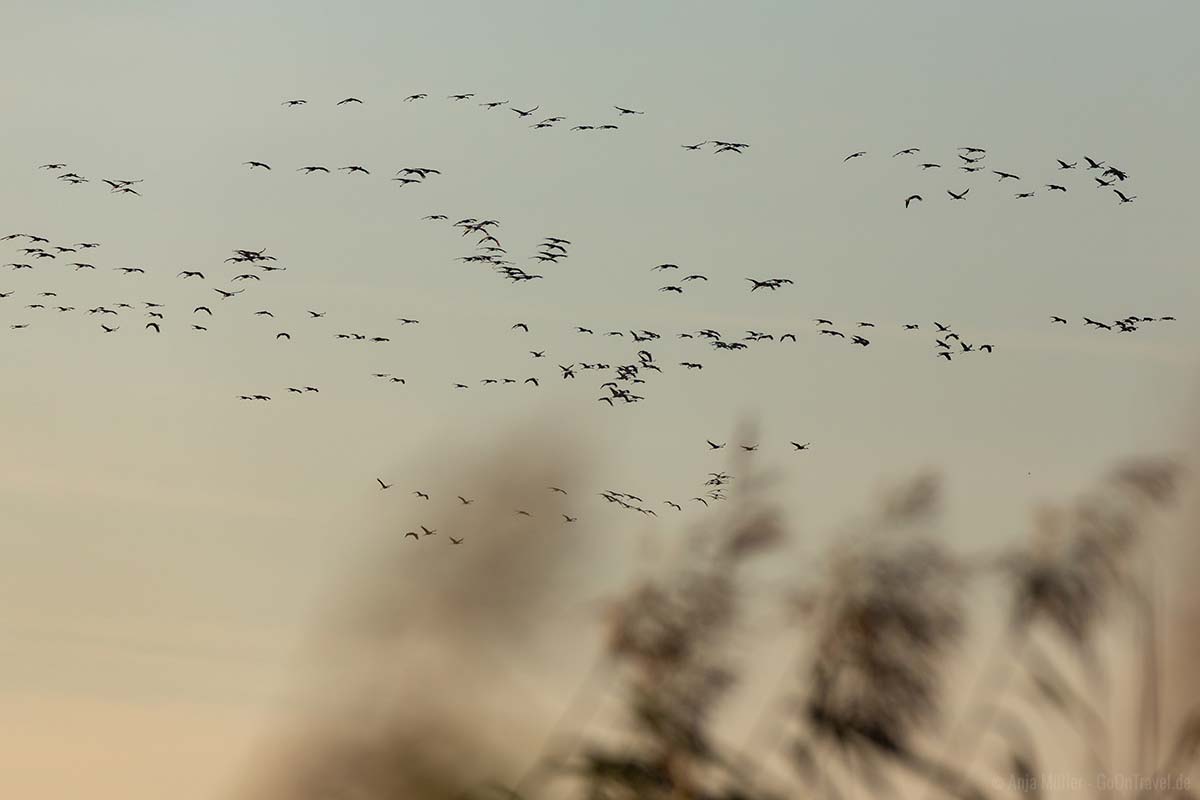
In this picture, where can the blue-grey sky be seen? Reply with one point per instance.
(166, 544)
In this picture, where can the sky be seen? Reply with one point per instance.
(167, 545)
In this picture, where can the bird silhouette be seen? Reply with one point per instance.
(383, 485)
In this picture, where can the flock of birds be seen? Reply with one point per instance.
(405, 175)
(620, 382)
(712, 490)
(971, 161)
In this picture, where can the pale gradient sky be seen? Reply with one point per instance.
(166, 545)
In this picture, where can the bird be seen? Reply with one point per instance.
(713, 445)
(1054, 187)
(859, 154)
(1064, 165)
(455, 541)
(906, 151)
(799, 446)
(355, 168)
(627, 111)
(465, 501)
(291, 103)
(153, 325)
(191, 274)
(522, 326)
(521, 113)
(1058, 319)
(910, 198)
(428, 531)
(1004, 175)
(253, 164)
(413, 534)
(1124, 199)
(383, 485)
(349, 100)
(958, 196)
(421, 495)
